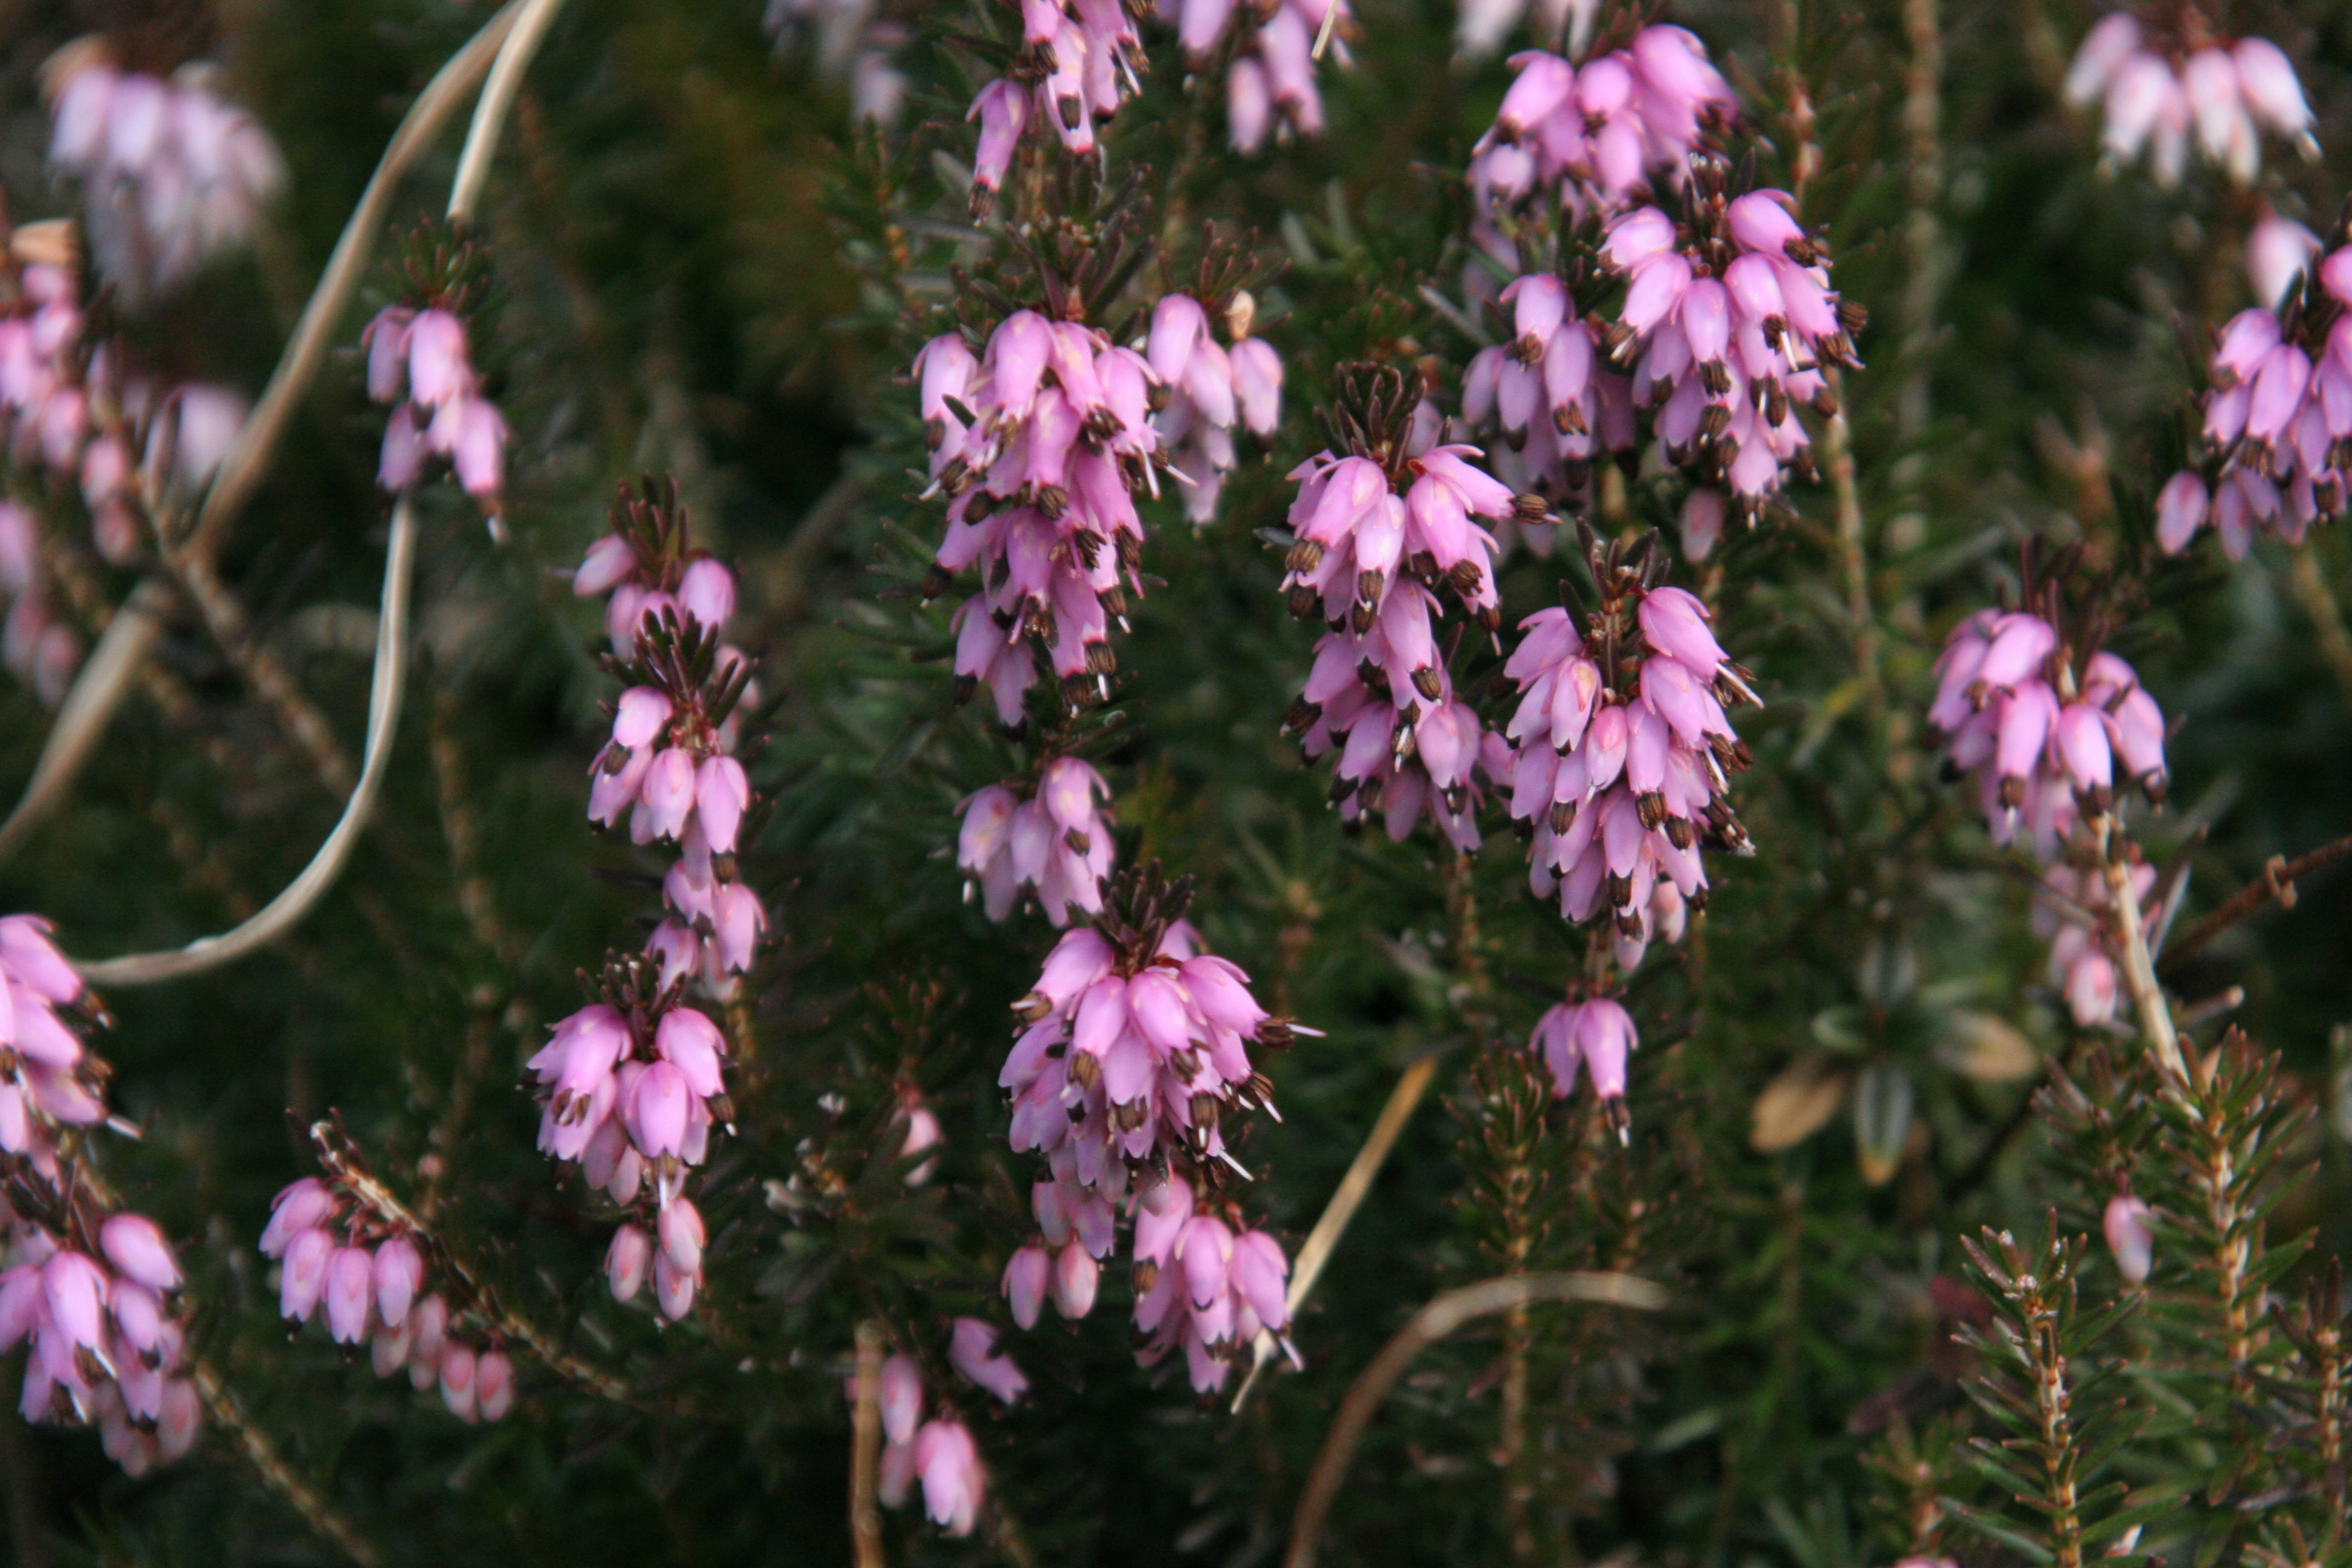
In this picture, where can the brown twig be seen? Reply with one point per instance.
(262, 1454)
(1317, 1250)
(865, 1449)
(2275, 884)
(232, 631)
(2139, 970)
(1441, 1317)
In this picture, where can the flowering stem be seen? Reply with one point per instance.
(2139, 970)
(2312, 591)
(865, 1449)
(1443, 1316)
(1837, 447)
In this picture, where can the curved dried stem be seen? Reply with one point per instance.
(1342, 1207)
(531, 23)
(2139, 970)
(865, 1449)
(2276, 884)
(1444, 1315)
(384, 712)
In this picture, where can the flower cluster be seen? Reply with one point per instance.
(418, 361)
(1210, 389)
(69, 405)
(2071, 912)
(1210, 1285)
(632, 1084)
(1728, 321)
(1078, 60)
(938, 1452)
(1041, 443)
(1547, 401)
(2054, 730)
(1595, 1036)
(1622, 753)
(1594, 137)
(2159, 88)
(1056, 844)
(368, 1283)
(630, 1088)
(1372, 560)
(669, 770)
(2278, 416)
(35, 645)
(1133, 1052)
(91, 1292)
(95, 1310)
(171, 174)
(1270, 83)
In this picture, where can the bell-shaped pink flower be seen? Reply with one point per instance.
(625, 1261)
(135, 1245)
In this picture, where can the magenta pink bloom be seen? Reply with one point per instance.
(135, 1245)
(944, 1456)
(973, 1352)
(2129, 1237)
(2162, 91)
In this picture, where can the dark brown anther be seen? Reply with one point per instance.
(1077, 689)
(1304, 600)
(1563, 815)
(1146, 1275)
(964, 689)
(1100, 659)
(1714, 422)
(1368, 587)
(936, 581)
(1360, 615)
(1303, 557)
(1426, 681)
(1085, 1071)
(1651, 807)
(1300, 716)
(1569, 419)
(1620, 889)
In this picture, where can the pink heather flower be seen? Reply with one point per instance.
(399, 1274)
(944, 1456)
(2040, 758)
(1277, 44)
(1594, 137)
(456, 1375)
(2129, 1237)
(1041, 486)
(901, 1399)
(674, 1288)
(1206, 1286)
(2158, 94)
(1547, 402)
(1623, 771)
(922, 1132)
(418, 361)
(1373, 561)
(2278, 251)
(2071, 912)
(1211, 389)
(303, 1276)
(1724, 361)
(1056, 845)
(972, 1350)
(300, 1207)
(171, 174)
(626, 1262)
(427, 1326)
(2278, 418)
(1595, 1037)
(135, 1245)
(493, 1384)
(1075, 1278)
(1025, 1277)
(349, 1294)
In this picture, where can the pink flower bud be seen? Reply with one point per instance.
(949, 1464)
(399, 1274)
(721, 791)
(608, 563)
(971, 1350)
(304, 1275)
(2179, 512)
(73, 1295)
(656, 1112)
(680, 1228)
(1075, 1276)
(2129, 1237)
(438, 370)
(706, 593)
(901, 1398)
(737, 920)
(135, 1245)
(1025, 1285)
(493, 1384)
(668, 793)
(626, 1261)
(428, 1328)
(350, 1287)
(674, 1288)
(457, 1373)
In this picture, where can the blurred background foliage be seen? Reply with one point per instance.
(699, 266)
